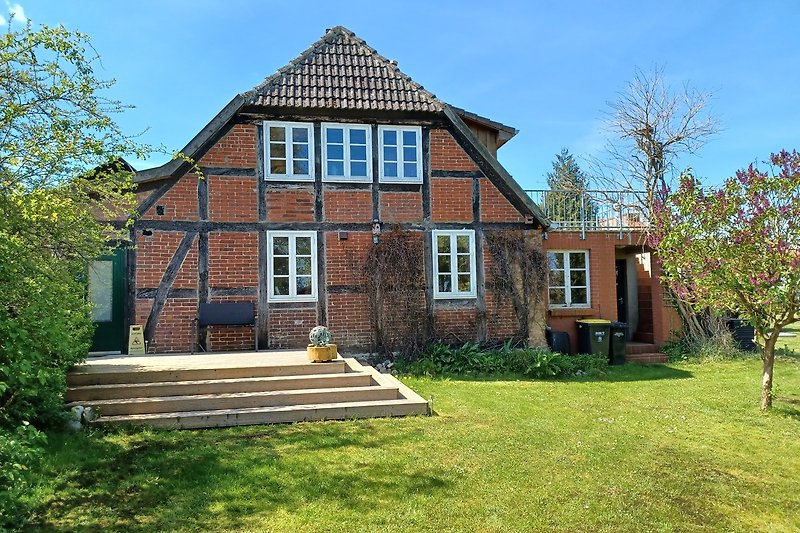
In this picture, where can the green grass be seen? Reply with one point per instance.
(670, 448)
(790, 346)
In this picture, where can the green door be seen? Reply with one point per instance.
(107, 294)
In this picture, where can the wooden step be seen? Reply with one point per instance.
(216, 386)
(243, 400)
(273, 415)
(647, 358)
(78, 377)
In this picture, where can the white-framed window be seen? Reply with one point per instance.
(292, 266)
(454, 264)
(347, 152)
(568, 284)
(400, 154)
(289, 151)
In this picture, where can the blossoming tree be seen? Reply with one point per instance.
(736, 248)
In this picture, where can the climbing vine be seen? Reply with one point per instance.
(396, 287)
(518, 276)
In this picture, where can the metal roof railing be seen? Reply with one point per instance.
(592, 210)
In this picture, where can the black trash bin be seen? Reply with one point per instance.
(619, 340)
(559, 341)
(594, 336)
(743, 333)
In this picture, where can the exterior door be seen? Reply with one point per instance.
(107, 294)
(622, 290)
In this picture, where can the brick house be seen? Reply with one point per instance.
(300, 173)
(601, 267)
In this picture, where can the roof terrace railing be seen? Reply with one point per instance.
(592, 210)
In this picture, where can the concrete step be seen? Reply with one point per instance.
(243, 400)
(215, 386)
(647, 358)
(273, 415)
(133, 375)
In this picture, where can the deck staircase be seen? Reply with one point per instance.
(203, 391)
(644, 353)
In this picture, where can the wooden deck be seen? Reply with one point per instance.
(236, 388)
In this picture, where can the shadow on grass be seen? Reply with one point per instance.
(220, 478)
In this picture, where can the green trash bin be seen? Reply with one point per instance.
(619, 341)
(594, 336)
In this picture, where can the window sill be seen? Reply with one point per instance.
(574, 311)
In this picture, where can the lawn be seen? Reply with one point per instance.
(790, 345)
(669, 448)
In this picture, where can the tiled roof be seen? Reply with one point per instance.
(340, 71)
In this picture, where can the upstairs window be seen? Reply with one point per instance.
(292, 266)
(568, 278)
(347, 152)
(454, 264)
(289, 151)
(400, 154)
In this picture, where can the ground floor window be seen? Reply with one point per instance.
(292, 266)
(454, 264)
(569, 278)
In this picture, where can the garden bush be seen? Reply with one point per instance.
(20, 451)
(442, 359)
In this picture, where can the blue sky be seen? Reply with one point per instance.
(547, 68)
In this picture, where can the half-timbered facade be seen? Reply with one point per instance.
(300, 176)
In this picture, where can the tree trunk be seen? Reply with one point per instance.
(769, 362)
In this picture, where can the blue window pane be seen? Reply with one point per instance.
(358, 153)
(389, 137)
(358, 136)
(390, 170)
(335, 151)
(409, 154)
(389, 153)
(300, 135)
(358, 169)
(410, 170)
(409, 138)
(300, 151)
(335, 168)
(335, 135)
(300, 168)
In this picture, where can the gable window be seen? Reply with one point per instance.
(289, 151)
(454, 264)
(347, 152)
(568, 278)
(292, 264)
(400, 154)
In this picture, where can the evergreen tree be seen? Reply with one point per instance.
(568, 185)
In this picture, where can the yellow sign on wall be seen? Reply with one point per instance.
(136, 341)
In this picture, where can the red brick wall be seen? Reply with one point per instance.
(288, 328)
(222, 338)
(236, 149)
(400, 207)
(455, 325)
(451, 199)
(233, 259)
(495, 207)
(446, 154)
(349, 320)
(501, 320)
(232, 199)
(180, 202)
(154, 253)
(290, 205)
(347, 206)
(344, 259)
(175, 327)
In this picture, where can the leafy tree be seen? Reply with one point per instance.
(56, 139)
(737, 248)
(568, 200)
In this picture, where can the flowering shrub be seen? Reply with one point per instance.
(737, 248)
